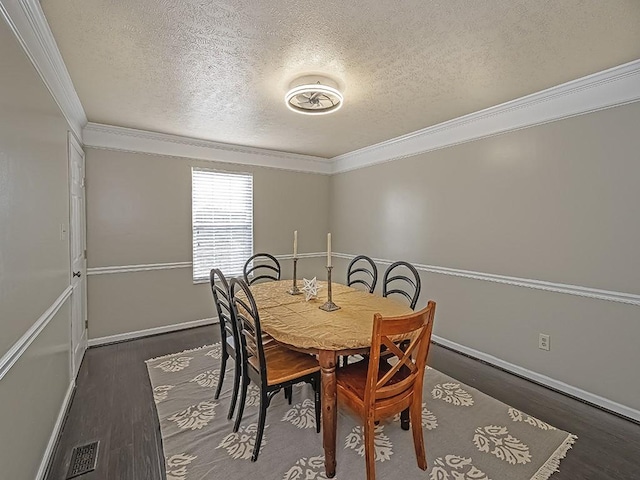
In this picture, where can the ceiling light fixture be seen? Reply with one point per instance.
(314, 95)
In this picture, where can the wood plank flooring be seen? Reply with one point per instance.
(113, 403)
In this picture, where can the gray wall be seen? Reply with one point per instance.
(34, 261)
(139, 212)
(557, 202)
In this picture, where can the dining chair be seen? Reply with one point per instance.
(272, 368)
(261, 266)
(376, 388)
(362, 270)
(228, 334)
(399, 283)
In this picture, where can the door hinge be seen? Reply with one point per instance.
(85, 253)
(86, 324)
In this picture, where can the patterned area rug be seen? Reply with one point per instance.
(468, 435)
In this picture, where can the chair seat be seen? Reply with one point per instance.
(353, 377)
(284, 364)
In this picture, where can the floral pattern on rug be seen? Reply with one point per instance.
(177, 466)
(452, 393)
(175, 364)
(429, 420)
(518, 416)
(302, 415)
(454, 467)
(240, 444)
(196, 416)
(502, 444)
(311, 468)
(382, 443)
(207, 379)
(215, 352)
(468, 435)
(253, 396)
(161, 392)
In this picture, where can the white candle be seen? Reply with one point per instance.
(328, 249)
(295, 243)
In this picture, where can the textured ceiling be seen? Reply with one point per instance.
(218, 70)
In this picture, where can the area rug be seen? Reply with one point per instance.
(468, 435)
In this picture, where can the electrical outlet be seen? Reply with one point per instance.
(544, 342)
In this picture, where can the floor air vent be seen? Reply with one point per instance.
(83, 459)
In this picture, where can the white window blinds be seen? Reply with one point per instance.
(222, 210)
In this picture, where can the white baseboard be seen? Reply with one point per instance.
(542, 379)
(121, 337)
(53, 439)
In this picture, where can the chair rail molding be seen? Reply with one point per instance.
(14, 353)
(110, 137)
(610, 88)
(171, 266)
(29, 25)
(137, 268)
(609, 295)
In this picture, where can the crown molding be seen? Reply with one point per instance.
(28, 23)
(610, 88)
(140, 141)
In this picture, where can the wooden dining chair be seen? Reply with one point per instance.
(228, 334)
(397, 281)
(362, 271)
(272, 368)
(261, 266)
(376, 388)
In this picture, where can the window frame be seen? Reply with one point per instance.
(205, 278)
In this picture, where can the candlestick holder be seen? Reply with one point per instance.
(329, 306)
(294, 287)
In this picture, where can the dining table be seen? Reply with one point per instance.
(300, 324)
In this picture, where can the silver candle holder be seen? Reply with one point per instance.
(294, 287)
(329, 306)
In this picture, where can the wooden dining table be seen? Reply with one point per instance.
(301, 325)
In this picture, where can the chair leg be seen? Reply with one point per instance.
(236, 384)
(416, 426)
(370, 448)
(261, 418)
(243, 397)
(223, 369)
(288, 393)
(404, 419)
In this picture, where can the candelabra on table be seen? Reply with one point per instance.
(329, 306)
(294, 287)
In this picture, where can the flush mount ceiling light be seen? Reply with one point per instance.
(314, 95)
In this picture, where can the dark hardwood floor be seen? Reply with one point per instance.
(113, 403)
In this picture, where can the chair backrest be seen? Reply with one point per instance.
(402, 282)
(246, 313)
(263, 266)
(364, 273)
(407, 374)
(222, 300)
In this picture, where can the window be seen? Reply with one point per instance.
(222, 211)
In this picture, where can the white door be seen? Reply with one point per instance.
(77, 237)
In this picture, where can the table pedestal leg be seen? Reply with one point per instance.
(327, 360)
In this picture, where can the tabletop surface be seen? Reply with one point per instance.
(292, 320)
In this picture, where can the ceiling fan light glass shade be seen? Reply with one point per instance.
(314, 99)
